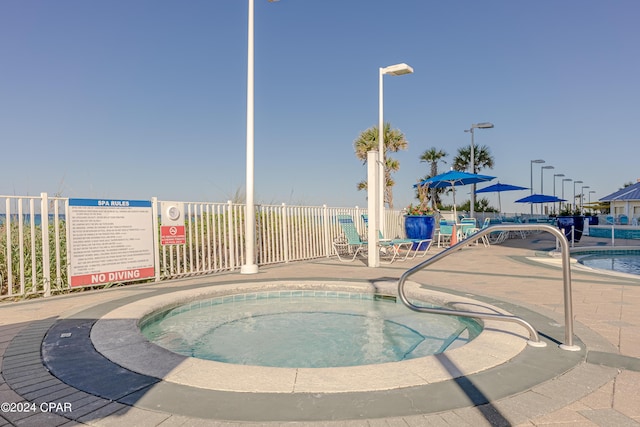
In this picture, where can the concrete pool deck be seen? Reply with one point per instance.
(598, 385)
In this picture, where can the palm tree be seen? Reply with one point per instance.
(482, 159)
(433, 156)
(394, 141)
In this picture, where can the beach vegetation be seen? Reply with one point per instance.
(394, 141)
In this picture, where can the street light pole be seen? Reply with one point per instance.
(563, 181)
(541, 177)
(542, 182)
(483, 125)
(532, 162)
(555, 175)
(250, 266)
(590, 191)
(573, 204)
(380, 183)
(582, 197)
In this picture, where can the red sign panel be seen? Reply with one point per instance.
(112, 276)
(172, 235)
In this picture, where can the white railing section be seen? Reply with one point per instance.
(33, 240)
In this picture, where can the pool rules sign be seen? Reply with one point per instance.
(110, 241)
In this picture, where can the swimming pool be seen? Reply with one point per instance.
(305, 329)
(622, 260)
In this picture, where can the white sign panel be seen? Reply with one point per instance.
(110, 241)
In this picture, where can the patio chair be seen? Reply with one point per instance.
(471, 231)
(466, 226)
(498, 237)
(494, 237)
(351, 244)
(417, 245)
(623, 219)
(610, 220)
(444, 233)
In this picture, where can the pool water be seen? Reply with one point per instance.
(296, 330)
(623, 263)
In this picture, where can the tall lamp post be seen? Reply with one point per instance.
(483, 125)
(250, 266)
(381, 182)
(542, 181)
(555, 175)
(542, 177)
(532, 162)
(582, 197)
(590, 192)
(563, 181)
(573, 205)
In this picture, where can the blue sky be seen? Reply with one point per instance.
(134, 99)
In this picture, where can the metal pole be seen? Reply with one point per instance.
(473, 187)
(533, 335)
(531, 185)
(382, 180)
(250, 266)
(372, 206)
(554, 194)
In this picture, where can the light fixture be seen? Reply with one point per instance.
(250, 266)
(376, 213)
(573, 204)
(483, 125)
(532, 162)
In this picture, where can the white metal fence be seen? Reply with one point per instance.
(34, 236)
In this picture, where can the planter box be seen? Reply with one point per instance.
(566, 222)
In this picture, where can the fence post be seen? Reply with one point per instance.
(613, 235)
(232, 236)
(156, 238)
(326, 228)
(285, 233)
(44, 226)
(573, 237)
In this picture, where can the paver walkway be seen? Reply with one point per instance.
(602, 389)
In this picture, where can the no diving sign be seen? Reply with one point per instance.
(172, 230)
(172, 235)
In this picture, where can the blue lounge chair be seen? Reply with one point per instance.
(349, 244)
(444, 233)
(352, 245)
(623, 219)
(417, 245)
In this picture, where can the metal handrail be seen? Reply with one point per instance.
(534, 339)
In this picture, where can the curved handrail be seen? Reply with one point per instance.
(534, 339)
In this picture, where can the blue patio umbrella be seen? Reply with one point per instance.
(540, 198)
(453, 178)
(498, 188)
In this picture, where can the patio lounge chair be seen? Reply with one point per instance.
(623, 219)
(494, 237)
(416, 244)
(471, 231)
(350, 243)
(444, 233)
